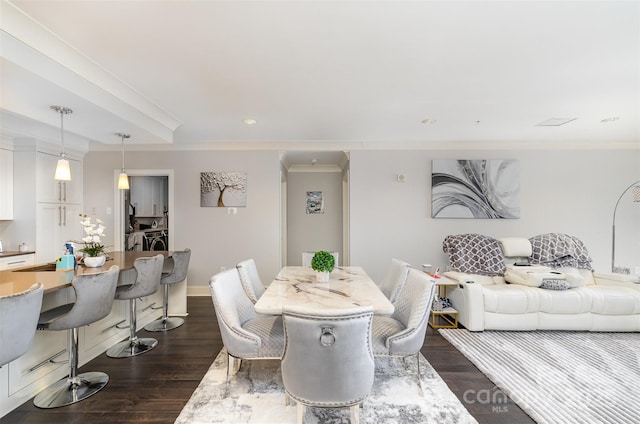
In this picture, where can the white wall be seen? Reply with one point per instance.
(313, 232)
(216, 238)
(572, 192)
(561, 191)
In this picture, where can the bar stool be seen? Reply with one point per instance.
(94, 299)
(18, 321)
(177, 274)
(147, 283)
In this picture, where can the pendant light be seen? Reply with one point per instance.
(63, 172)
(123, 179)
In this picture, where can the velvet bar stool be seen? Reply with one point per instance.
(94, 299)
(149, 272)
(18, 321)
(177, 274)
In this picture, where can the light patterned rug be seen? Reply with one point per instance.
(560, 377)
(256, 395)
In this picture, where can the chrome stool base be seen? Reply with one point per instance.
(164, 324)
(68, 391)
(129, 348)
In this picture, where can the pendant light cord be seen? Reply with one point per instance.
(122, 137)
(62, 111)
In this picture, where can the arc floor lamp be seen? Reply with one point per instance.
(636, 198)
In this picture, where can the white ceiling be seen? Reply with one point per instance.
(324, 75)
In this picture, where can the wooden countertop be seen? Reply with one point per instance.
(15, 281)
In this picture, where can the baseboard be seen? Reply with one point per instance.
(198, 291)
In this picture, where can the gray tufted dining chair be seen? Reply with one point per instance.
(148, 274)
(250, 279)
(402, 334)
(177, 274)
(246, 334)
(18, 321)
(94, 295)
(328, 360)
(395, 279)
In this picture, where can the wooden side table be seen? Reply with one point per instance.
(448, 317)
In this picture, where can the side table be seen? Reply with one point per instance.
(448, 317)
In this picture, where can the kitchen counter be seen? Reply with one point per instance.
(15, 281)
(10, 253)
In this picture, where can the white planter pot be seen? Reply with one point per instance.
(322, 277)
(94, 261)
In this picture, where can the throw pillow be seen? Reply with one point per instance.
(440, 303)
(474, 254)
(550, 284)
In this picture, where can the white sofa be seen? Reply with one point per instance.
(595, 302)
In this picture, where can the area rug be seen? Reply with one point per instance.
(256, 395)
(560, 376)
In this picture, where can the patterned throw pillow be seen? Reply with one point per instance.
(440, 303)
(474, 254)
(550, 284)
(558, 249)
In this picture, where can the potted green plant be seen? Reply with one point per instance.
(323, 263)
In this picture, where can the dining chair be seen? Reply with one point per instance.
(402, 333)
(94, 295)
(395, 279)
(328, 360)
(147, 282)
(250, 279)
(177, 274)
(308, 256)
(19, 314)
(245, 333)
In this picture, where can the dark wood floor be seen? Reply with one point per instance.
(154, 387)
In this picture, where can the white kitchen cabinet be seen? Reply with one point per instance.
(56, 223)
(50, 190)
(36, 363)
(17, 261)
(6, 184)
(149, 195)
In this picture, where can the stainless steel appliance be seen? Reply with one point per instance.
(156, 240)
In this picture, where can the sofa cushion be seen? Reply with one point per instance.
(574, 301)
(577, 277)
(531, 276)
(612, 300)
(483, 280)
(515, 247)
(510, 299)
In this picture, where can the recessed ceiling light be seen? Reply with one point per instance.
(249, 121)
(428, 121)
(554, 122)
(611, 119)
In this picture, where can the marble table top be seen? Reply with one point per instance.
(348, 286)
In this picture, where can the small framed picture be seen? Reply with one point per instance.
(315, 203)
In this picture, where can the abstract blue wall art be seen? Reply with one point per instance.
(476, 188)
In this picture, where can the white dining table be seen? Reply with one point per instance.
(348, 286)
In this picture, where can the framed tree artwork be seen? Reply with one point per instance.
(223, 189)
